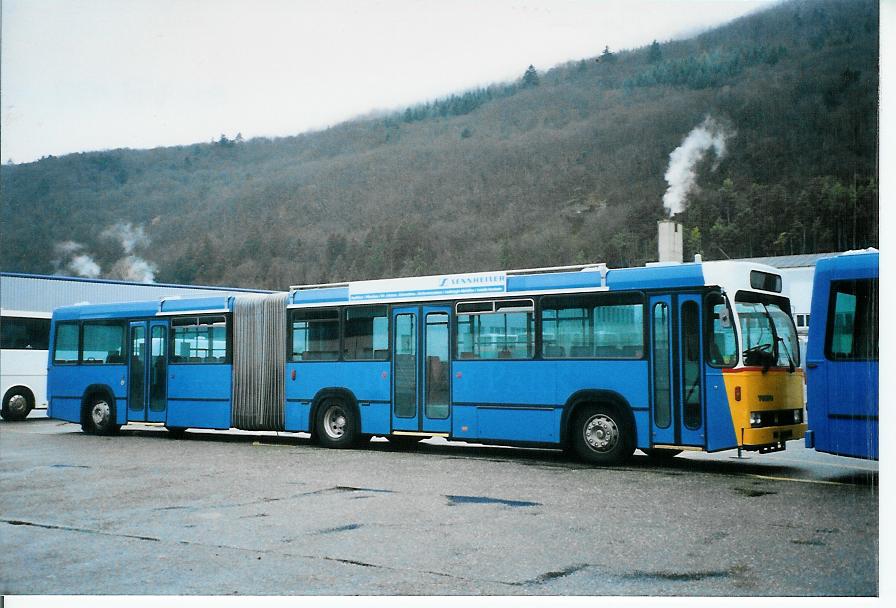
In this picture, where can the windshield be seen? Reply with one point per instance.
(768, 335)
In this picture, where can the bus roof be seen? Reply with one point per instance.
(849, 265)
(731, 276)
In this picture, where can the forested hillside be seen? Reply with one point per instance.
(563, 166)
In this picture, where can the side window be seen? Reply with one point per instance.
(103, 342)
(690, 363)
(662, 366)
(607, 327)
(24, 333)
(366, 333)
(199, 339)
(507, 332)
(66, 346)
(852, 331)
(315, 335)
(721, 337)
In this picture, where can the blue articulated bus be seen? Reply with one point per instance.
(842, 356)
(662, 358)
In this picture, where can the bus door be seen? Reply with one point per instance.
(421, 369)
(147, 371)
(676, 369)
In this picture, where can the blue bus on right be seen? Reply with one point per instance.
(842, 356)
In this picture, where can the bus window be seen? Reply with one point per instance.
(315, 335)
(199, 339)
(768, 333)
(66, 348)
(690, 324)
(23, 333)
(852, 328)
(721, 348)
(437, 401)
(662, 367)
(103, 342)
(592, 327)
(405, 366)
(366, 332)
(497, 335)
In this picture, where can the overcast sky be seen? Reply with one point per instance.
(82, 75)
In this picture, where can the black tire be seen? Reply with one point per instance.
(17, 404)
(661, 453)
(602, 435)
(176, 432)
(404, 442)
(99, 419)
(336, 425)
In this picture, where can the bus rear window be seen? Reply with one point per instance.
(66, 345)
(852, 326)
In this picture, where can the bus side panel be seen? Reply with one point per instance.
(199, 396)
(368, 381)
(28, 368)
(720, 434)
(851, 410)
(66, 385)
(499, 392)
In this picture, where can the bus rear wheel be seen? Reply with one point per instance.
(17, 404)
(601, 435)
(336, 425)
(101, 416)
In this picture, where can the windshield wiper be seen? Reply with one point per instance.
(792, 366)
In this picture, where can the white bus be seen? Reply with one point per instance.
(24, 337)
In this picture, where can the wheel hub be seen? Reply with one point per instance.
(334, 422)
(18, 404)
(100, 413)
(601, 433)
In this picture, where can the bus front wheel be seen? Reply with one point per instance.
(17, 404)
(336, 425)
(100, 417)
(601, 435)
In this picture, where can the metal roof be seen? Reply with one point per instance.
(43, 293)
(803, 260)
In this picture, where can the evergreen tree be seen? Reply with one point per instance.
(607, 55)
(530, 78)
(655, 55)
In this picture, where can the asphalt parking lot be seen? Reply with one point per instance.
(237, 513)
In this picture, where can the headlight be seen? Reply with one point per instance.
(755, 419)
(797, 416)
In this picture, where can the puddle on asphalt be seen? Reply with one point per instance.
(459, 500)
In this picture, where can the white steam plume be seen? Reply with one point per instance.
(134, 268)
(84, 266)
(128, 235)
(72, 259)
(131, 267)
(682, 172)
